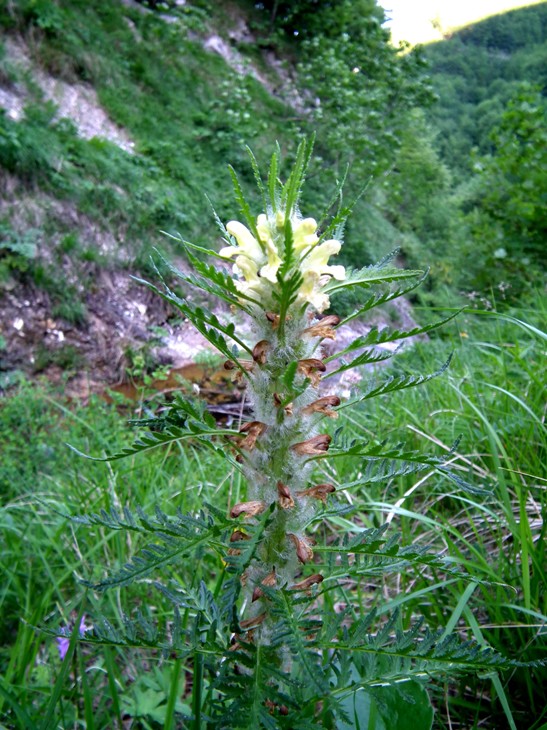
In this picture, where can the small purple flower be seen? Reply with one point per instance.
(63, 641)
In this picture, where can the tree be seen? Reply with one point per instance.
(362, 85)
(513, 189)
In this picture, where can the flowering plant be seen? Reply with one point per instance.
(283, 640)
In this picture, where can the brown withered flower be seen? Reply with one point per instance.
(260, 350)
(285, 498)
(273, 318)
(269, 581)
(253, 429)
(324, 328)
(249, 509)
(310, 368)
(245, 364)
(319, 491)
(304, 552)
(307, 583)
(314, 446)
(321, 405)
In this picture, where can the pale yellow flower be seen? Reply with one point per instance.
(257, 262)
(249, 257)
(304, 233)
(269, 271)
(314, 268)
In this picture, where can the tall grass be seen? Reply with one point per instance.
(493, 398)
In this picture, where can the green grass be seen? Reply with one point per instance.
(492, 396)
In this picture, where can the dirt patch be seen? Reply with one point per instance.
(35, 211)
(120, 322)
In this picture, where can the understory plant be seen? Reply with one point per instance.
(279, 623)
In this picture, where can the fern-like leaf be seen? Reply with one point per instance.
(243, 204)
(368, 357)
(167, 549)
(206, 323)
(385, 464)
(380, 273)
(382, 297)
(393, 384)
(212, 281)
(380, 337)
(373, 553)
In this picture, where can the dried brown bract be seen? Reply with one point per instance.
(278, 402)
(269, 581)
(315, 446)
(323, 405)
(250, 623)
(285, 498)
(238, 536)
(307, 583)
(260, 350)
(273, 318)
(324, 328)
(303, 549)
(253, 429)
(311, 368)
(319, 491)
(247, 366)
(249, 509)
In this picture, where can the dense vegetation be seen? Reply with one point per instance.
(458, 184)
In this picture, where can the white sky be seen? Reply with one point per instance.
(412, 19)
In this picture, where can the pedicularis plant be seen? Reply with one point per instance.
(283, 635)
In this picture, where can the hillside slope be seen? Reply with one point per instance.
(477, 70)
(118, 122)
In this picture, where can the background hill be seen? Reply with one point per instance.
(477, 71)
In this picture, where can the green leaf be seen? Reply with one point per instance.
(392, 384)
(273, 182)
(171, 546)
(244, 205)
(212, 281)
(404, 707)
(365, 358)
(194, 430)
(258, 176)
(291, 190)
(206, 323)
(195, 246)
(383, 464)
(382, 297)
(286, 297)
(380, 337)
(375, 274)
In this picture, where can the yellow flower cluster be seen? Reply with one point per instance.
(258, 261)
